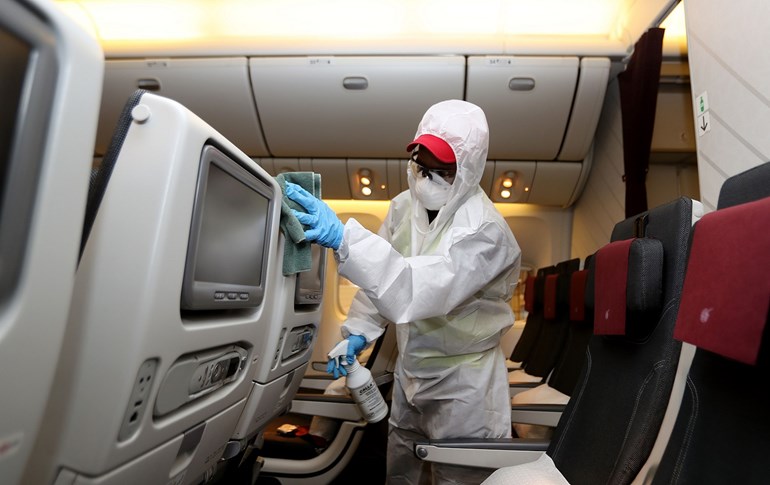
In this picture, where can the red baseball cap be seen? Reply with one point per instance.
(438, 147)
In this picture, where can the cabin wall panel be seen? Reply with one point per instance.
(727, 63)
(602, 205)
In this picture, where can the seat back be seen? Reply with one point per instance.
(567, 369)
(166, 326)
(721, 432)
(554, 327)
(627, 378)
(535, 317)
(52, 71)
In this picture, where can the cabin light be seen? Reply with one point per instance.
(365, 181)
(526, 189)
(505, 194)
(382, 186)
(508, 179)
(365, 177)
(399, 21)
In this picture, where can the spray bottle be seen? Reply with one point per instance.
(362, 387)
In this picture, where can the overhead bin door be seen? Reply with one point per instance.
(364, 107)
(216, 90)
(527, 101)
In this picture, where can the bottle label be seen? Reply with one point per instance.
(370, 401)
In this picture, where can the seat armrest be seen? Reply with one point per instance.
(522, 386)
(542, 414)
(316, 382)
(489, 453)
(384, 378)
(337, 407)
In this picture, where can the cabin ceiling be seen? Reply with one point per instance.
(129, 28)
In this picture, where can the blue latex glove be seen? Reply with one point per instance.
(325, 227)
(356, 344)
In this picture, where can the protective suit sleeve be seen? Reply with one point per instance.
(405, 289)
(363, 317)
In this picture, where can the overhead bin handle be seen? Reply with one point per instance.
(521, 84)
(355, 83)
(148, 84)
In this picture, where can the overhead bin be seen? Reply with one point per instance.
(215, 89)
(349, 107)
(556, 183)
(586, 109)
(529, 100)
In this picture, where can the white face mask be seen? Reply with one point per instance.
(433, 194)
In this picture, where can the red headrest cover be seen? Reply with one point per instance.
(726, 291)
(549, 304)
(610, 288)
(577, 293)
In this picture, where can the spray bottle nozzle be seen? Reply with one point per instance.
(340, 354)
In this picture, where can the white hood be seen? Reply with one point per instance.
(464, 127)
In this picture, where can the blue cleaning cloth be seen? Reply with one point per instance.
(296, 249)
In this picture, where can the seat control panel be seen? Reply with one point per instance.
(297, 340)
(195, 375)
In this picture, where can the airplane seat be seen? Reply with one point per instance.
(611, 421)
(529, 307)
(173, 290)
(285, 349)
(554, 327)
(313, 433)
(530, 419)
(52, 77)
(567, 370)
(290, 457)
(534, 318)
(721, 432)
(630, 366)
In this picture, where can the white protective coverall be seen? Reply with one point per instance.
(447, 287)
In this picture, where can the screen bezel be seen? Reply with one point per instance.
(200, 295)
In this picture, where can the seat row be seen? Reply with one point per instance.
(643, 409)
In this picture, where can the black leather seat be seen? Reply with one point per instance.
(722, 432)
(531, 332)
(610, 424)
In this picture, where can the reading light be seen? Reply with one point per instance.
(508, 179)
(526, 189)
(505, 194)
(365, 177)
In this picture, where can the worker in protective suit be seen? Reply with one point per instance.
(442, 269)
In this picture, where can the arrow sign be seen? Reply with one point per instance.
(704, 123)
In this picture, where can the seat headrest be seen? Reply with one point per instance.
(577, 292)
(748, 186)
(549, 300)
(628, 277)
(726, 292)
